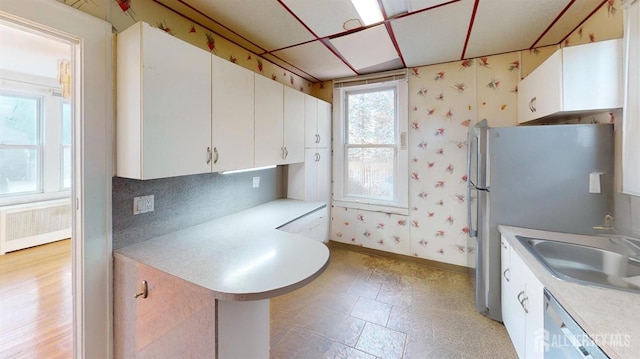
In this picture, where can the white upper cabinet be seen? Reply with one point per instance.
(293, 142)
(164, 105)
(232, 109)
(324, 124)
(576, 79)
(317, 123)
(631, 120)
(310, 121)
(269, 121)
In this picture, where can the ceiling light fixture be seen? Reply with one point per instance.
(368, 10)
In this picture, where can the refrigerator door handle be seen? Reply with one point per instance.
(472, 232)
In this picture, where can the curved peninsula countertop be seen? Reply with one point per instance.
(204, 291)
(240, 257)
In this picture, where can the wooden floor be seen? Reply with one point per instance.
(36, 303)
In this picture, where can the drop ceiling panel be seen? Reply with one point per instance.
(394, 7)
(366, 48)
(417, 5)
(287, 66)
(420, 44)
(504, 26)
(207, 21)
(326, 18)
(266, 23)
(578, 11)
(315, 59)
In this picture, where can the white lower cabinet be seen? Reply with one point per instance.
(522, 304)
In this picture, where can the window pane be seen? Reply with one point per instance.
(371, 117)
(18, 120)
(370, 173)
(66, 123)
(66, 167)
(18, 170)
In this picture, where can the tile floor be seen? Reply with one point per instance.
(372, 307)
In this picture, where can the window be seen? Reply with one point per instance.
(20, 144)
(65, 146)
(370, 152)
(35, 143)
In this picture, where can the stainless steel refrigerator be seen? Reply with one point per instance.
(533, 177)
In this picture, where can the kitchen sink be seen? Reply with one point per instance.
(612, 262)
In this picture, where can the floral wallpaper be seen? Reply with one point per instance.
(124, 13)
(445, 100)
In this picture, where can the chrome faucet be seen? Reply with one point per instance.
(608, 224)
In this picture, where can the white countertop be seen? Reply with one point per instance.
(241, 256)
(611, 317)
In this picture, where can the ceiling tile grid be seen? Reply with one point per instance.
(433, 36)
(321, 40)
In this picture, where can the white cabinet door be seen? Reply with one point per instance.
(522, 304)
(311, 174)
(164, 105)
(592, 76)
(540, 93)
(269, 120)
(576, 79)
(324, 124)
(631, 116)
(323, 175)
(310, 121)
(513, 290)
(232, 115)
(534, 345)
(293, 125)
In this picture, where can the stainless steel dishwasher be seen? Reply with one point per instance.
(563, 337)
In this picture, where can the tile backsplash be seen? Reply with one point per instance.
(185, 201)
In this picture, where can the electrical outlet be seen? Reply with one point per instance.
(256, 182)
(143, 204)
(148, 203)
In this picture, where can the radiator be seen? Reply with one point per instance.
(29, 225)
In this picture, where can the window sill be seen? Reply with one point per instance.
(373, 207)
(37, 197)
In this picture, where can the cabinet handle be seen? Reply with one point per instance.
(522, 300)
(208, 155)
(504, 245)
(317, 157)
(145, 290)
(217, 155)
(532, 104)
(282, 152)
(286, 153)
(504, 274)
(319, 139)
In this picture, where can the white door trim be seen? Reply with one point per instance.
(93, 165)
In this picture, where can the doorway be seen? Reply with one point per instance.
(91, 160)
(36, 134)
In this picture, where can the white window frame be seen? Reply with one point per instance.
(49, 147)
(400, 204)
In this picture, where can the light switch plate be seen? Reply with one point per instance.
(256, 182)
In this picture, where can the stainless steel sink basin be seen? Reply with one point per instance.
(611, 262)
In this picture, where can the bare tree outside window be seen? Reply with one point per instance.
(371, 147)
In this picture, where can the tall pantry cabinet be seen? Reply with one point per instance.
(311, 180)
